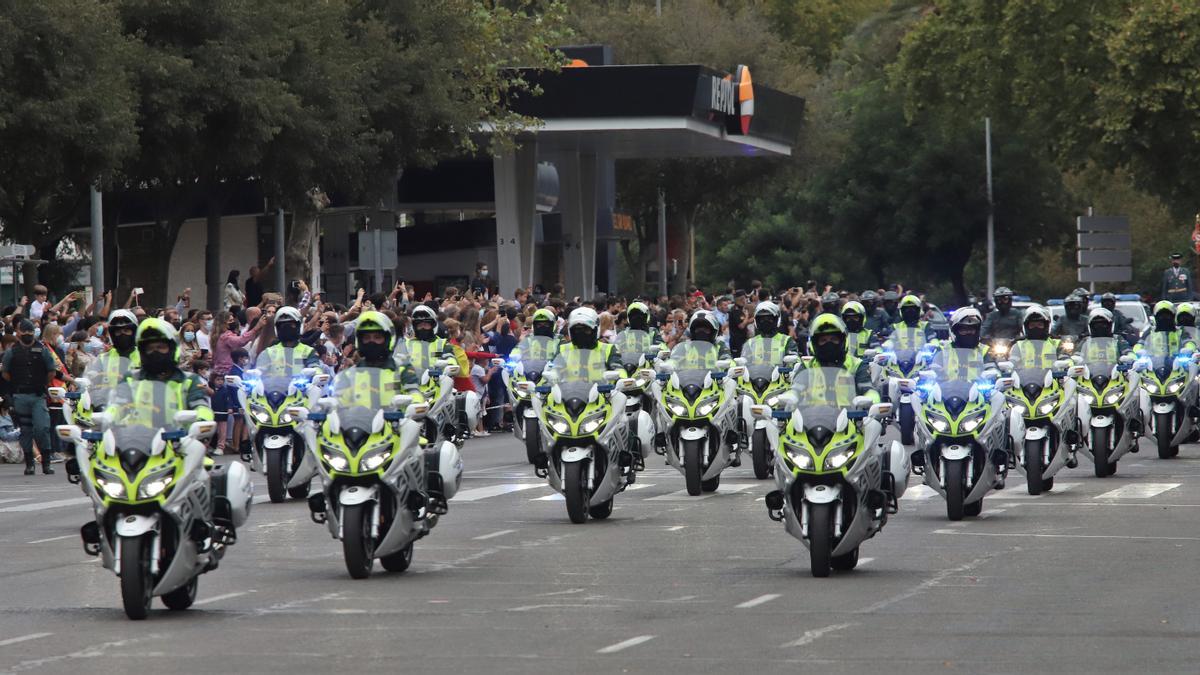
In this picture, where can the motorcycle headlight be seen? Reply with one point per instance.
(334, 457)
(974, 421)
(1174, 387)
(377, 457)
(1112, 398)
(708, 406)
(287, 418)
(1048, 406)
(1150, 385)
(800, 457)
(1087, 398)
(110, 484)
(677, 409)
(936, 420)
(773, 400)
(594, 422)
(156, 483)
(1018, 409)
(260, 414)
(838, 457)
(558, 423)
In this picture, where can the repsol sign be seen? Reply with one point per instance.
(724, 99)
(731, 99)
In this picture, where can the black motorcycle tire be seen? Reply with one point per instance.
(908, 423)
(137, 584)
(601, 510)
(1163, 434)
(1100, 442)
(693, 468)
(820, 538)
(846, 561)
(576, 492)
(300, 491)
(1033, 467)
(398, 561)
(181, 598)
(973, 509)
(533, 445)
(276, 476)
(760, 454)
(711, 484)
(358, 546)
(955, 481)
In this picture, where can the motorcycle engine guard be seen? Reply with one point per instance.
(276, 441)
(1163, 408)
(576, 454)
(955, 452)
(692, 433)
(822, 494)
(355, 495)
(1035, 433)
(133, 526)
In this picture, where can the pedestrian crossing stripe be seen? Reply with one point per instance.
(1138, 491)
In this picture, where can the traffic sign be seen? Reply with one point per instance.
(1103, 240)
(1089, 257)
(1102, 274)
(1102, 224)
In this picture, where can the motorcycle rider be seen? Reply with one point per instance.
(1166, 337)
(583, 328)
(1121, 324)
(1036, 325)
(158, 349)
(1002, 323)
(639, 320)
(890, 307)
(859, 337)
(287, 331)
(1185, 319)
(829, 347)
(877, 319)
(1073, 323)
(910, 331)
(426, 347)
(768, 344)
(122, 325)
(544, 321)
(703, 328)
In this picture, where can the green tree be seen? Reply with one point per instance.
(66, 113)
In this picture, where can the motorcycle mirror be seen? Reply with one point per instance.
(1077, 371)
(184, 418)
(102, 420)
(201, 429)
(298, 412)
(880, 410)
(861, 403)
(737, 372)
(320, 379)
(1004, 383)
(723, 364)
(416, 411)
(741, 361)
(233, 381)
(57, 393)
(253, 373)
(1006, 366)
(82, 383)
(664, 354)
(1126, 359)
(451, 370)
(761, 412)
(309, 373)
(870, 354)
(991, 374)
(612, 375)
(327, 403)
(791, 360)
(646, 373)
(626, 384)
(1062, 364)
(70, 432)
(401, 401)
(443, 363)
(497, 362)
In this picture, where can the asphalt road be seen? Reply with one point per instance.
(1099, 576)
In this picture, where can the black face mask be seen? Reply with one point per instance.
(767, 325)
(910, 314)
(1040, 332)
(1186, 320)
(543, 329)
(854, 322)
(373, 351)
(889, 307)
(157, 363)
(123, 342)
(702, 332)
(423, 334)
(287, 331)
(583, 337)
(1100, 329)
(637, 321)
(1074, 310)
(1164, 322)
(1003, 304)
(1110, 306)
(830, 354)
(968, 339)
(26, 339)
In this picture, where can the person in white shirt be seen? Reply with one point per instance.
(40, 304)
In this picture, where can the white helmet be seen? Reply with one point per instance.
(1036, 312)
(965, 314)
(708, 317)
(585, 316)
(284, 314)
(767, 307)
(123, 315)
(424, 313)
(1100, 313)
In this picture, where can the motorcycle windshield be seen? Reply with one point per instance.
(694, 361)
(959, 364)
(140, 409)
(103, 375)
(577, 370)
(536, 348)
(1031, 359)
(1100, 354)
(279, 373)
(1161, 358)
(363, 392)
(633, 345)
(822, 394)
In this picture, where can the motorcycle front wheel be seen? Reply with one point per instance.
(820, 538)
(955, 481)
(1163, 434)
(1033, 467)
(358, 546)
(576, 492)
(693, 467)
(137, 584)
(759, 453)
(276, 476)
(1100, 443)
(908, 423)
(533, 448)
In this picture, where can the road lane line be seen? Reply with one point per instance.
(23, 638)
(15, 499)
(1138, 491)
(676, 528)
(493, 535)
(682, 495)
(475, 494)
(42, 541)
(224, 596)
(42, 506)
(811, 636)
(620, 646)
(864, 561)
(918, 492)
(1065, 536)
(760, 600)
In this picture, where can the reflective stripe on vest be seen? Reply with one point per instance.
(761, 350)
(422, 354)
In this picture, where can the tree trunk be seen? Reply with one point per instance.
(959, 284)
(214, 283)
(306, 215)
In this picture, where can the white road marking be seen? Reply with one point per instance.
(24, 638)
(559, 498)
(493, 535)
(564, 605)
(626, 644)
(811, 636)
(676, 528)
(919, 492)
(1065, 536)
(42, 506)
(224, 596)
(929, 583)
(755, 602)
(1011, 493)
(682, 495)
(15, 499)
(42, 541)
(475, 494)
(569, 591)
(1138, 491)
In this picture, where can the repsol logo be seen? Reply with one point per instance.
(724, 99)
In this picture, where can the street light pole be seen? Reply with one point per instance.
(662, 242)
(991, 223)
(279, 254)
(97, 248)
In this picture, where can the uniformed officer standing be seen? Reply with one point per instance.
(1002, 323)
(1177, 281)
(29, 367)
